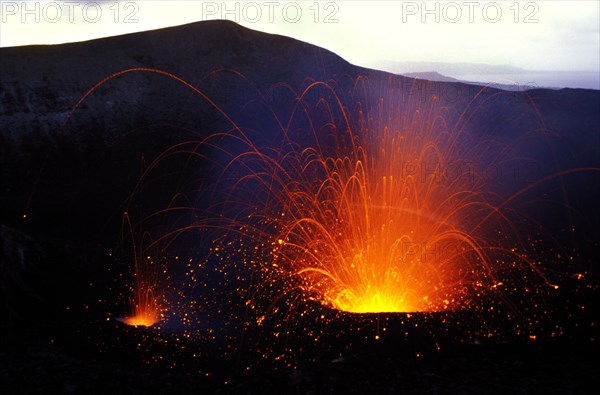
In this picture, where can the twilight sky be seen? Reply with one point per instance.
(536, 35)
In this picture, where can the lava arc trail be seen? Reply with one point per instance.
(384, 209)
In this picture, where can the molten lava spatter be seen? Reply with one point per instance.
(140, 320)
(380, 208)
(372, 236)
(388, 212)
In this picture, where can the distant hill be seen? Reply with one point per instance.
(437, 77)
(430, 76)
(452, 69)
(500, 76)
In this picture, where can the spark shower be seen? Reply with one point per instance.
(362, 205)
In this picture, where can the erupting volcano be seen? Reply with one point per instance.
(366, 208)
(140, 319)
(382, 209)
(208, 208)
(144, 308)
(382, 231)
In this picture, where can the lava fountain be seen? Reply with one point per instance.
(140, 318)
(376, 234)
(144, 304)
(384, 209)
(366, 206)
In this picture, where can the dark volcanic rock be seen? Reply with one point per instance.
(59, 169)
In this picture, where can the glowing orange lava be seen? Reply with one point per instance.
(391, 219)
(380, 232)
(365, 208)
(144, 303)
(140, 320)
